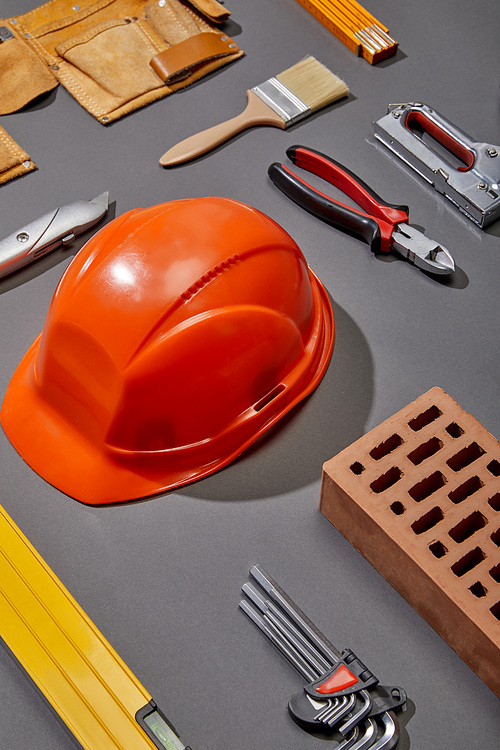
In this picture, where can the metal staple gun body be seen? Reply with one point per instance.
(343, 697)
(384, 226)
(466, 172)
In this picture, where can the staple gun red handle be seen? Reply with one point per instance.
(418, 122)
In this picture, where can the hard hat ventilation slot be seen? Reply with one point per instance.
(209, 276)
(269, 397)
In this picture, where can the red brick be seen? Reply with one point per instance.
(419, 497)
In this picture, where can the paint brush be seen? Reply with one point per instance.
(280, 101)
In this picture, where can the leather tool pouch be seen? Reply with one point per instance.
(14, 161)
(113, 56)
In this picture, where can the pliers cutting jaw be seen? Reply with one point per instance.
(421, 250)
(384, 226)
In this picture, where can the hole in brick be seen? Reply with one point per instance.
(386, 480)
(438, 549)
(495, 501)
(468, 562)
(495, 610)
(467, 527)
(427, 486)
(386, 447)
(478, 589)
(454, 430)
(465, 457)
(357, 468)
(495, 537)
(494, 468)
(427, 521)
(465, 490)
(398, 508)
(428, 416)
(424, 451)
(495, 573)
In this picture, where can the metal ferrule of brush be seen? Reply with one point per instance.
(283, 101)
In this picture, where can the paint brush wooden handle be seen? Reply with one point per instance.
(256, 112)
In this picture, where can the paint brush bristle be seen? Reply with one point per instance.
(313, 83)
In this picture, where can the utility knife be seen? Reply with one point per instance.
(50, 231)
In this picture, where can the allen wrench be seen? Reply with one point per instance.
(342, 697)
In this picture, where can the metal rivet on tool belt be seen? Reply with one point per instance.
(26, 164)
(27, 36)
(232, 45)
(492, 152)
(54, 67)
(224, 38)
(105, 118)
(162, 3)
(13, 20)
(76, 7)
(23, 237)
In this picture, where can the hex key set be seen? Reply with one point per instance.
(342, 697)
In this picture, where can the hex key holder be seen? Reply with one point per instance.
(342, 697)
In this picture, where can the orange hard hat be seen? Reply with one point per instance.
(175, 338)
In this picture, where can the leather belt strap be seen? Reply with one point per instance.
(178, 62)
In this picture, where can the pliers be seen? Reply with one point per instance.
(384, 226)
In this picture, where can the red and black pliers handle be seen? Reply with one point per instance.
(374, 224)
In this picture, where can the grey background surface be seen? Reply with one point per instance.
(161, 577)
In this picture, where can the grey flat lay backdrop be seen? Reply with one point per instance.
(161, 577)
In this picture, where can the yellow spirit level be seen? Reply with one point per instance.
(94, 692)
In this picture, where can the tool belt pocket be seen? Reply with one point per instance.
(23, 76)
(115, 56)
(110, 64)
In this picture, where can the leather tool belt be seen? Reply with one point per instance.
(113, 56)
